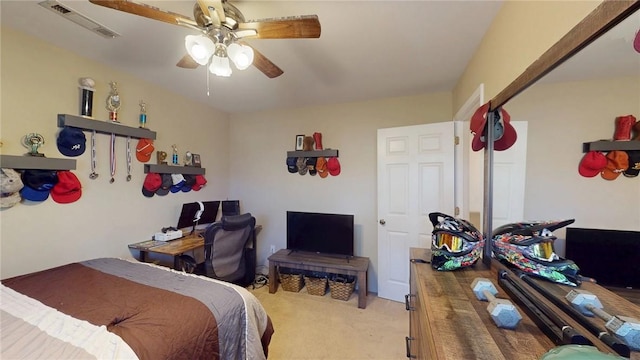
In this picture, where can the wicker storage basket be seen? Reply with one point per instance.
(291, 282)
(316, 286)
(341, 287)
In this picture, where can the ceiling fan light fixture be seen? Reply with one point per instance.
(220, 66)
(199, 47)
(241, 55)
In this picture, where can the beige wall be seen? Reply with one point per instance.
(521, 32)
(561, 117)
(38, 82)
(259, 143)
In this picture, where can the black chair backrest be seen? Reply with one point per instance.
(225, 243)
(230, 208)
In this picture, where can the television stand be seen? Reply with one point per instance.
(302, 260)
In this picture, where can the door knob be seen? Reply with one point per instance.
(382, 222)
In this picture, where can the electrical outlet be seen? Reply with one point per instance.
(273, 249)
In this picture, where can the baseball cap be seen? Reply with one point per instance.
(636, 42)
(10, 181)
(38, 184)
(504, 133)
(634, 163)
(321, 167)
(178, 181)
(592, 163)
(333, 165)
(311, 165)
(68, 189)
(617, 163)
(301, 164)
(200, 181)
(291, 165)
(152, 183)
(165, 185)
(9, 200)
(71, 141)
(189, 181)
(144, 149)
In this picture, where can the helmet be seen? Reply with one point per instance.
(529, 246)
(455, 243)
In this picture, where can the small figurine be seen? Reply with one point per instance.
(174, 158)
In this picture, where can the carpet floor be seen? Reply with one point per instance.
(319, 327)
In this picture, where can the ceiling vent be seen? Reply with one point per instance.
(78, 18)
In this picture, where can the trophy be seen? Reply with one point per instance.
(33, 141)
(143, 114)
(86, 97)
(113, 102)
(188, 158)
(174, 158)
(162, 157)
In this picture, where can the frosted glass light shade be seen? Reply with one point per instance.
(220, 66)
(241, 55)
(199, 47)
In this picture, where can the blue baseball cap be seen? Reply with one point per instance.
(178, 182)
(71, 141)
(38, 184)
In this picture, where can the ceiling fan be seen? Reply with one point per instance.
(223, 29)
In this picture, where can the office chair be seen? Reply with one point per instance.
(229, 251)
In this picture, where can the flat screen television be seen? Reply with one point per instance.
(612, 257)
(320, 233)
(189, 211)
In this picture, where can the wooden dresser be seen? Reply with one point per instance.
(448, 322)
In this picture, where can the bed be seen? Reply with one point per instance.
(110, 308)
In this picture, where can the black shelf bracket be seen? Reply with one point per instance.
(105, 127)
(36, 163)
(173, 169)
(604, 145)
(314, 153)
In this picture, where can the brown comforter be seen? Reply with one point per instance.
(162, 316)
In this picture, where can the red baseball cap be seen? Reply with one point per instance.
(152, 183)
(200, 182)
(504, 132)
(333, 166)
(68, 189)
(144, 149)
(592, 163)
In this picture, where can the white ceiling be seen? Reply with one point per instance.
(367, 49)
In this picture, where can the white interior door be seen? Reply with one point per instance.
(415, 177)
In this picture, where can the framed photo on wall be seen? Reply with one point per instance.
(195, 160)
(299, 142)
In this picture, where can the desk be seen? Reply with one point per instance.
(335, 264)
(174, 248)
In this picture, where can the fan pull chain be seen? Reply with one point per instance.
(207, 79)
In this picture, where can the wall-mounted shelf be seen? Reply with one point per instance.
(173, 169)
(106, 127)
(603, 145)
(36, 162)
(314, 153)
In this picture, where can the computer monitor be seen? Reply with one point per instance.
(189, 210)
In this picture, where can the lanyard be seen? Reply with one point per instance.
(112, 158)
(93, 174)
(128, 158)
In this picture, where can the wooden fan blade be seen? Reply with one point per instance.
(284, 28)
(187, 62)
(145, 10)
(263, 64)
(215, 4)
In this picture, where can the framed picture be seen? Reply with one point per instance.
(299, 142)
(195, 160)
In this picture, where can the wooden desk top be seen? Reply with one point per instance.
(463, 329)
(356, 263)
(171, 247)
